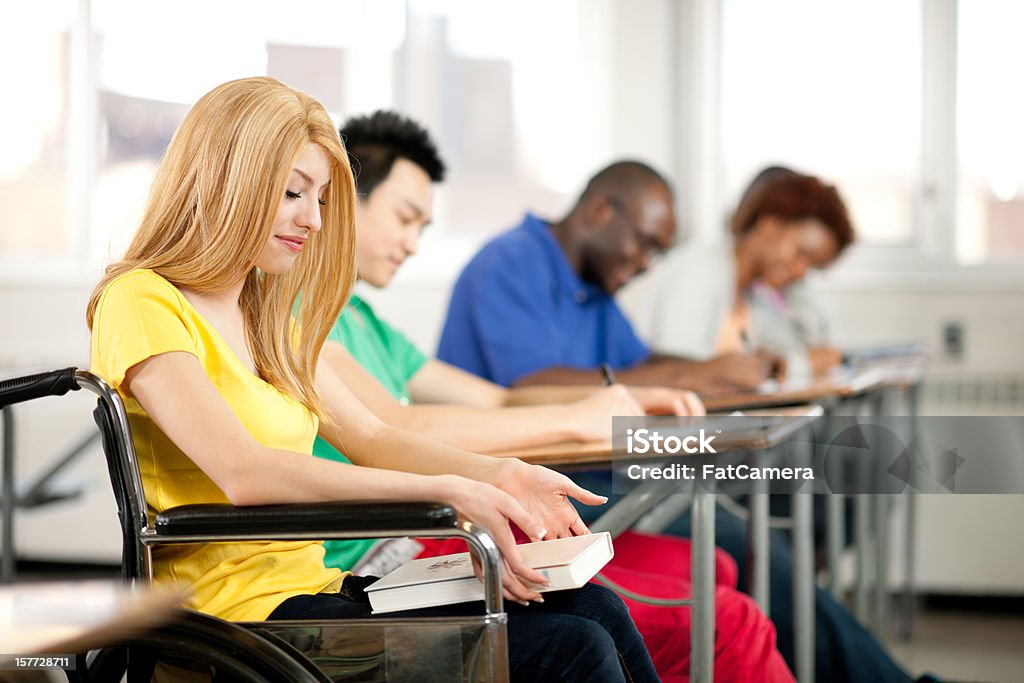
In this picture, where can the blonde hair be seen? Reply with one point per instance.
(210, 214)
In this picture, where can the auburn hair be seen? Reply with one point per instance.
(791, 197)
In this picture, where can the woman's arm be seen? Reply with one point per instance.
(178, 396)
(543, 492)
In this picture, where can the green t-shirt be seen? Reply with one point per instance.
(387, 355)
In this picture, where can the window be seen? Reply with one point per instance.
(148, 77)
(832, 89)
(990, 131)
(35, 46)
(509, 113)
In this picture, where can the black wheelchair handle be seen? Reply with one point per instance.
(53, 383)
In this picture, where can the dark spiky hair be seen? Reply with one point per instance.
(376, 141)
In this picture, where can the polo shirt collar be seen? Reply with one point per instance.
(569, 283)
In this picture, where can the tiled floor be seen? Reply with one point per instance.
(965, 646)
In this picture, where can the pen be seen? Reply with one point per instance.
(748, 348)
(606, 375)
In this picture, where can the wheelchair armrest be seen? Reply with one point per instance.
(326, 519)
(211, 523)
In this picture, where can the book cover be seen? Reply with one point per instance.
(565, 562)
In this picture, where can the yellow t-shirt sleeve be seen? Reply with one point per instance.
(139, 315)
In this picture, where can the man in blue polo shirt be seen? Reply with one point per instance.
(549, 316)
(535, 305)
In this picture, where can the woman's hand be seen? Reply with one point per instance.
(667, 401)
(492, 510)
(823, 359)
(544, 494)
(738, 371)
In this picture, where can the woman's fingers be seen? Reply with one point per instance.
(514, 511)
(515, 588)
(514, 561)
(511, 587)
(582, 495)
(579, 528)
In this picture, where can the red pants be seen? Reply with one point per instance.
(659, 566)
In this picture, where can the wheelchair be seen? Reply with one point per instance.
(199, 647)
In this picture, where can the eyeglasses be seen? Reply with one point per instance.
(647, 245)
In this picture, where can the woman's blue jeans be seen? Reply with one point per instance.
(584, 634)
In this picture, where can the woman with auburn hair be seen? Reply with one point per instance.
(787, 318)
(786, 224)
(252, 205)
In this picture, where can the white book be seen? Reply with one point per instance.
(432, 581)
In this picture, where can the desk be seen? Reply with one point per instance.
(601, 452)
(646, 498)
(77, 616)
(868, 379)
(854, 382)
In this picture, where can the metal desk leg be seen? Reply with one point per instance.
(881, 518)
(758, 549)
(702, 644)
(666, 512)
(881, 595)
(803, 581)
(8, 502)
(625, 513)
(835, 513)
(862, 534)
(862, 509)
(909, 598)
(834, 538)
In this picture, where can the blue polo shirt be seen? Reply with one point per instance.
(518, 308)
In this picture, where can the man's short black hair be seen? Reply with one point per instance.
(376, 141)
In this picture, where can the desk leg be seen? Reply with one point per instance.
(702, 644)
(909, 597)
(862, 535)
(624, 514)
(835, 511)
(803, 581)
(666, 512)
(835, 515)
(758, 550)
(881, 522)
(879, 612)
(7, 503)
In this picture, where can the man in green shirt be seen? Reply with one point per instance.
(396, 166)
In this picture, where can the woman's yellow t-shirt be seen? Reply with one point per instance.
(140, 315)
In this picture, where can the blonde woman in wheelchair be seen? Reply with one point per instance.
(252, 206)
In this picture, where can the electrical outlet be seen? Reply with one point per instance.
(953, 340)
